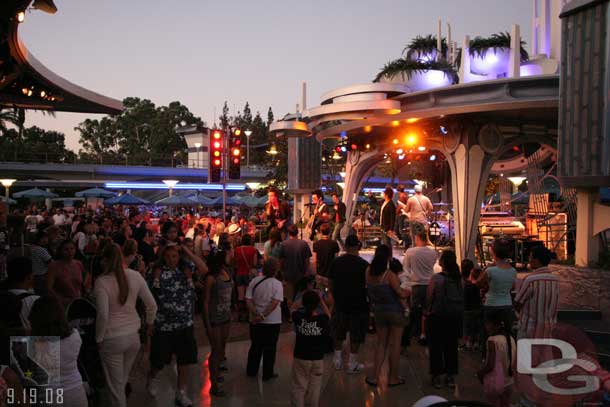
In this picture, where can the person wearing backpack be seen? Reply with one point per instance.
(444, 313)
(20, 282)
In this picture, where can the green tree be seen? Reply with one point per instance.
(143, 134)
(7, 117)
(34, 144)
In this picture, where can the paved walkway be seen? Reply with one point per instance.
(339, 389)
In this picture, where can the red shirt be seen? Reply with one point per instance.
(245, 257)
(68, 280)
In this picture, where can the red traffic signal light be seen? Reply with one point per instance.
(216, 154)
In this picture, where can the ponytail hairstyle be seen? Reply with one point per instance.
(496, 320)
(311, 300)
(112, 262)
(449, 264)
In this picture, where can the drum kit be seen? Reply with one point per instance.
(440, 225)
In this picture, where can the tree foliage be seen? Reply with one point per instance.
(34, 144)
(143, 134)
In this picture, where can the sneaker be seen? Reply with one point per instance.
(450, 381)
(338, 363)
(182, 399)
(152, 385)
(355, 368)
(436, 382)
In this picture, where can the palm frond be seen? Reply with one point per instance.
(479, 46)
(422, 45)
(408, 66)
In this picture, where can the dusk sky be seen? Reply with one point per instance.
(203, 52)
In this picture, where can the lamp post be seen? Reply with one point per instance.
(197, 146)
(141, 126)
(248, 133)
(171, 183)
(253, 186)
(6, 183)
(516, 181)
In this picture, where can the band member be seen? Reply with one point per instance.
(277, 212)
(419, 207)
(387, 216)
(401, 214)
(319, 213)
(339, 218)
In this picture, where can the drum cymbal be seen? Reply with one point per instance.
(441, 204)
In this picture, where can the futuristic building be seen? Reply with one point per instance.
(503, 99)
(26, 83)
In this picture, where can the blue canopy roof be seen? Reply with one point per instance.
(34, 193)
(95, 193)
(126, 199)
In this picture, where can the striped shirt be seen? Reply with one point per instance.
(539, 300)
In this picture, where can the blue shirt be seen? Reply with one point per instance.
(500, 283)
(175, 296)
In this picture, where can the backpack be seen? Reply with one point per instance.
(452, 302)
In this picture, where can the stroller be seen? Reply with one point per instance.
(81, 315)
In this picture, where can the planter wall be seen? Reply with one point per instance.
(421, 80)
(493, 64)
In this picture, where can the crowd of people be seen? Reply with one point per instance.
(149, 281)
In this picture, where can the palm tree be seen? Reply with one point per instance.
(7, 116)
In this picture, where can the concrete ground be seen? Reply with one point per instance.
(338, 389)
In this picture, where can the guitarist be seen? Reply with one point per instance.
(401, 216)
(419, 208)
(277, 212)
(320, 213)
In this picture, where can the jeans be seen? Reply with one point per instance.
(118, 355)
(337, 232)
(306, 382)
(264, 343)
(442, 336)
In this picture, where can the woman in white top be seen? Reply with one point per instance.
(48, 320)
(117, 324)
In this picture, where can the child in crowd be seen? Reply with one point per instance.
(497, 373)
(473, 307)
(312, 330)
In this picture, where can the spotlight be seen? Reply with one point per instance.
(443, 130)
(354, 147)
(395, 141)
(368, 146)
(399, 151)
(42, 93)
(395, 123)
(411, 139)
(343, 134)
(343, 149)
(421, 148)
(24, 91)
(30, 92)
(21, 16)
(401, 156)
(432, 157)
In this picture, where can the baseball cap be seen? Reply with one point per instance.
(352, 241)
(417, 188)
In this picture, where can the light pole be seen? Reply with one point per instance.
(253, 186)
(138, 127)
(171, 183)
(6, 183)
(197, 146)
(248, 133)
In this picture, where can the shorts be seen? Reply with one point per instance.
(242, 280)
(165, 344)
(356, 324)
(390, 319)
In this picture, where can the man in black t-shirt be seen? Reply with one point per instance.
(324, 251)
(145, 248)
(347, 280)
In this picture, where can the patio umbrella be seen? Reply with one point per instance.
(202, 200)
(126, 199)
(250, 201)
(95, 193)
(10, 201)
(176, 200)
(35, 193)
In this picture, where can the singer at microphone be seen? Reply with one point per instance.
(277, 213)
